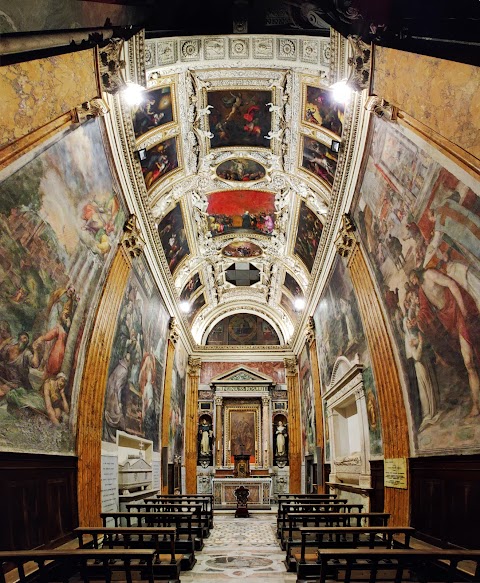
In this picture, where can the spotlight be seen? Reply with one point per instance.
(185, 307)
(133, 94)
(335, 146)
(142, 153)
(341, 91)
(299, 304)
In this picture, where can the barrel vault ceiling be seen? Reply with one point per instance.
(239, 191)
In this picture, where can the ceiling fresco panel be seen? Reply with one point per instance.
(190, 288)
(308, 236)
(156, 109)
(241, 211)
(173, 237)
(319, 160)
(321, 110)
(240, 118)
(240, 170)
(160, 161)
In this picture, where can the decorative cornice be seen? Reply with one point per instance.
(360, 62)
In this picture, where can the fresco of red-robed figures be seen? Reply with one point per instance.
(60, 220)
(419, 217)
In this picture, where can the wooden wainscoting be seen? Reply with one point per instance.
(445, 497)
(38, 499)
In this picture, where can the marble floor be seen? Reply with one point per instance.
(242, 549)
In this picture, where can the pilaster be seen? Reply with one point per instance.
(294, 429)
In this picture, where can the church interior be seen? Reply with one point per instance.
(240, 250)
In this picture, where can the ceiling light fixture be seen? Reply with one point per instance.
(299, 304)
(133, 94)
(341, 91)
(185, 307)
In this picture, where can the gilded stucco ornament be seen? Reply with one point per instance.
(110, 66)
(131, 240)
(346, 240)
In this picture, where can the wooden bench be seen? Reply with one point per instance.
(300, 507)
(302, 558)
(291, 533)
(205, 499)
(397, 565)
(175, 506)
(167, 562)
(86, 564)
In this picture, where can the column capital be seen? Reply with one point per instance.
(291, 366)
(194, 366)
(172, 325)
(266, 401)
(131, 241)
(110, 66)
(360, 62)
(310, 330)
(218, 401)
(346, 241)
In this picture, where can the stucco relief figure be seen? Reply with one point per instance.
(281, 434)
(205, 435)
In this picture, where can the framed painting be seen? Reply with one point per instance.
(240, 170)
(308, 236)
(241, 249)
(190, 288)
(240, 117)
(320, 110)
(197, 304)
(241, 211)
(161, 159)
(156, 110)
(173, 237)
(318, 160)
(293, 287)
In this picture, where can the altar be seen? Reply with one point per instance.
(260, 492)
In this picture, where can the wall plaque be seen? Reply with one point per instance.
(395, 473)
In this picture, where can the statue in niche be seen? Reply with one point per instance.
(280, 439)
(205, 435)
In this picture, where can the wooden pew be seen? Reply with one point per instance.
(175, 506)
(398, 565)
(302, 558)
(299, 507)
(86, 564)
(205, 499)
(291, 534)
(307, 500)
(167, 565)
(197, 522)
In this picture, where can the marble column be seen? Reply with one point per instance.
(92, 393)
(191, 424)
(294, 428)
(167, 395)
(266, 431)
(218, 431)
(387, 379)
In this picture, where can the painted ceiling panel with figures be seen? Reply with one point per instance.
(239, 170)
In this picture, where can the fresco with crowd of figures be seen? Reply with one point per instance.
(339, 332)
(137, 361)
(307, 402)
(61, 218)
(419, 216)
(242, 329)
(173, 237)
(308, 236)
(176, 433)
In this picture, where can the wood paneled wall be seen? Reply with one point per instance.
(38, 499)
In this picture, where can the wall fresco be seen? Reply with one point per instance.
(242, 329)
(240, 118)
(420, 224)
(137, 361)
(60, 223)
(274, 370)
(308, 236)
(307, 402)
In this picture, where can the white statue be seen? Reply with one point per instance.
(281, 434)
(206, 434)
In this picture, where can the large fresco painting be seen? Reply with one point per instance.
(307, 403)
(242, 329)
(240, 170)
(274, 370)
(177, 404)
(419, 217)
(137, 362)
(339, 332)
(240, 118)
(173, 237)
(308, 236)
(155, 110)
(60, 224)
(319, 160)
(240, 211)
(321, 110)
(159, 161)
